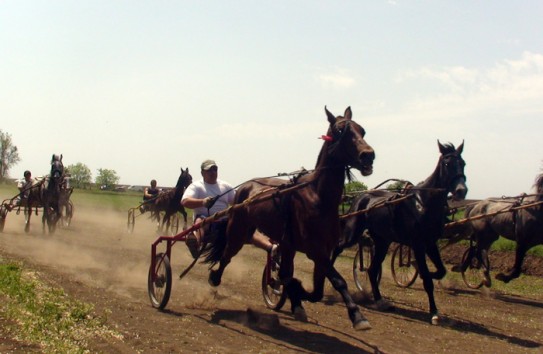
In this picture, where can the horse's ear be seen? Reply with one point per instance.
(441, 147)
(60, 157)
(460, 148)
(348, 113)
(330, 116)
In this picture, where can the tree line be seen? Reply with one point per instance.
(80, 174)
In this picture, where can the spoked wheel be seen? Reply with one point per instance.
(174, 224)
(402, 265)
(67, 216)
(159, 282)
(361, 264)
(474, 274)
(131, 221)
(272, 289)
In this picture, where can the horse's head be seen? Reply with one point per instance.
(57, 168)
(347, 144)
(185, 179)
(451, 170)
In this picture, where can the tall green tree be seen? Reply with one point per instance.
(9, 154)
(107, 178)
(80, 175)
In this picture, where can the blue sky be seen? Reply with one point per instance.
(147, 87)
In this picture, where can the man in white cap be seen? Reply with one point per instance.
(207, 197)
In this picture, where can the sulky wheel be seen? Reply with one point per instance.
(174, 224)
(159, 282)
(403, 266)
(474, 274)
(272, 289)
(361, 264)
(131, 221)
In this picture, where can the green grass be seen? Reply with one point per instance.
(46, 316)
(118, 201)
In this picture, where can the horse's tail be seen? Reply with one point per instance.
(214, 248)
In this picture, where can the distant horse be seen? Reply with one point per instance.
(512, 220)
(170, 201)
(417, 221)
(47, 194)
(305, 219)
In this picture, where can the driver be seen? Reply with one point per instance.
(207, 197)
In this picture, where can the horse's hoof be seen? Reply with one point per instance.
(362, 325)
(384, 305)
(300, 315)
(503, 277)
(214, 279)
(435, 319)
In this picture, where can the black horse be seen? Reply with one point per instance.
(169, 202)
(47, 194)
(304, 219)
(517, 219)
(417, 221)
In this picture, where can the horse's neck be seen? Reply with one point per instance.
(329, 176)
(432, 191)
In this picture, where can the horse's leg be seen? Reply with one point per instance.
(44, 217)
(184, 213)
(165, 221)
(237, 234)
(433, 253)
(375, 268)
(338, 282)
(420, 257)
(293, 287)
(484, 241)
(514, 273)
(28, 213)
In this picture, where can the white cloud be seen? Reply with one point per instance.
(516, 84)
(339, 78)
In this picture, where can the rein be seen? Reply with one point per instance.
(386, 202)
(507, 209)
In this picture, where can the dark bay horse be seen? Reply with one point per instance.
(47, 194)
(304, 220)
(417, 221)
(169, 202)
(512, 220)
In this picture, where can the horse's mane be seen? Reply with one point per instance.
(539, 184)
(448, 148)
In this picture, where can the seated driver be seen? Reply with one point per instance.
(149, 193)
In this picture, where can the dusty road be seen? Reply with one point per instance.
(96, 261)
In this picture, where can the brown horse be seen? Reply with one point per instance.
(47, 194)
(517, 219)
(304, 220)
(169, 202)
(417, 221)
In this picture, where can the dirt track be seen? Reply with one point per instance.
(96, 261)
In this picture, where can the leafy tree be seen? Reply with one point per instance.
(355, 186)
(107, 178)
(397, 186)
(9, 154)
(80, 175)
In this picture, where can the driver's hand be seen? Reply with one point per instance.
(208, 202)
